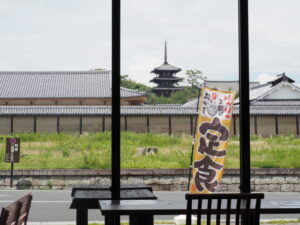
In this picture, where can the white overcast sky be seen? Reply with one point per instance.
(201, 34)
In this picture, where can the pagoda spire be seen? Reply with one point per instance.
(166, 53)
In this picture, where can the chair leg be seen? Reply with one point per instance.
(188, 220)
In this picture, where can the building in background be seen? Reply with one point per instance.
(62, 88)
(274, 106)
(166, 79)
(226, 85)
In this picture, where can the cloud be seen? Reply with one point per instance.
(201, 34)
(264, 78)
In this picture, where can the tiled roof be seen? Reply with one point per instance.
(261, 91)
(271, 110)
(167, 88)
(166, 78)
(263, 107)
(94, 110)
(255, 93)
(59, 84)
(166, 67)
(280, 78)
(191, 103)
(274, 107)
(281, 103)
(134, 110)
(258, 91)
(158, 110)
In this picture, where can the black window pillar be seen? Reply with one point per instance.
(244, 97)
(116, 44)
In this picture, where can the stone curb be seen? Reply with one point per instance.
(139, 172)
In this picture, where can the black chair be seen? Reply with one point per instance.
(3, 216)
(26, 203)
(16, 213)
(245, 207)
(11, 213)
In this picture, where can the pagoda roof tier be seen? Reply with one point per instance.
(174, 79)
(167, 88)
(166, 67)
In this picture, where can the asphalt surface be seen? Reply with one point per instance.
(53, 206)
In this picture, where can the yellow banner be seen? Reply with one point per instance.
(211, 139)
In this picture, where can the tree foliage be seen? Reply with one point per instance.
(194, 77)
(126, 82)
(178, 97)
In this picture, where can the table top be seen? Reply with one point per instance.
(86, 187)
(106, 194)
(88, 196)
(171, 207)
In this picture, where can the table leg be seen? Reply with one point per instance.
(111, 220)
(82, 216)
(141, 219)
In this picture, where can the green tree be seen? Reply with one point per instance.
(194, 77)
(177, 97)
(126, 82)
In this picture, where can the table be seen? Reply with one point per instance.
(87, 197)
(163, 207)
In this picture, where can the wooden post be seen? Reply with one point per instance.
(34, 124)
(191, 124)
(148, 124)
(11, 124)
(80, 125)
(255, 125)
(297, 125)
(276, 125)
(234, 125)
(58, 124)
(103, 123)
(11, 173)
(125, 121)
(170, 125)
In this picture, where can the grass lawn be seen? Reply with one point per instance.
(63, 151)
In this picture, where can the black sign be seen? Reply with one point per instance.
(12, 154)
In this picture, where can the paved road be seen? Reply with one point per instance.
(54, 205)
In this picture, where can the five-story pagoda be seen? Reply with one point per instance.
(165, 78)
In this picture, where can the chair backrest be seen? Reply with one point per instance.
(17, 212)
(3, 217)
(245, 207)
(26, 203)
(11, 213)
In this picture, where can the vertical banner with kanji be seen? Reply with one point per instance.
(211, 139)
